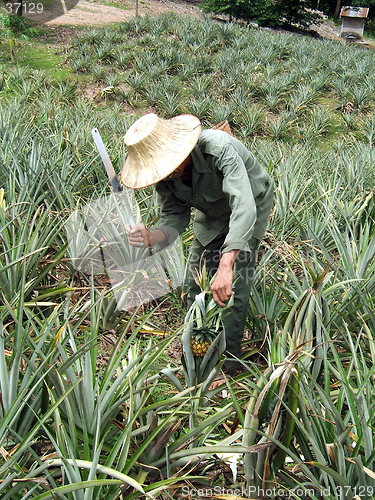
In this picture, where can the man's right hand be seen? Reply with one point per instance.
(139, 235)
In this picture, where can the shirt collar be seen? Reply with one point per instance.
(199, 162)
(200, 166)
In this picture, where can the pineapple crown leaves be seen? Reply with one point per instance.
(206, 312)
(201, 276)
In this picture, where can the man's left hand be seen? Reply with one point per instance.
(221, 288)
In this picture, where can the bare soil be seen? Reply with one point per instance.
(97, 13)
(94, 13)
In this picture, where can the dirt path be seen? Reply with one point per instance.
(93, 13)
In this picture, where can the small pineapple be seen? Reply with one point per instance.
(201, 340)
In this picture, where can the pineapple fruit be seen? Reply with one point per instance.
(201, 340)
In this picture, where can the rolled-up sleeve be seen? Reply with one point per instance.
(236, 185)
(174, 216)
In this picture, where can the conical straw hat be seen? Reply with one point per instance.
(156, 147)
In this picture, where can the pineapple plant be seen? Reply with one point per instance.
(205, 321)
(203, 339)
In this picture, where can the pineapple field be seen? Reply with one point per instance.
(94, 402)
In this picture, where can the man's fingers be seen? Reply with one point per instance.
(220, 297)
(221, 288)
(136, 235)
(218, 301)
(135, 230)
(223, 293)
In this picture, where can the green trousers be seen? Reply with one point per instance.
(235, 317)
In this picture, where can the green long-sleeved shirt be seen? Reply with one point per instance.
(230, 191)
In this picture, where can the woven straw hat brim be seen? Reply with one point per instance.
(156, 147)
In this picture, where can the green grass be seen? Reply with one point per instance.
(117, 5)
(52, 62)
(45, 52)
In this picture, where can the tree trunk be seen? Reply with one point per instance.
(19, 11)
(337, 10)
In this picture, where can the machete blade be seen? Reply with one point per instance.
(117, 189)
